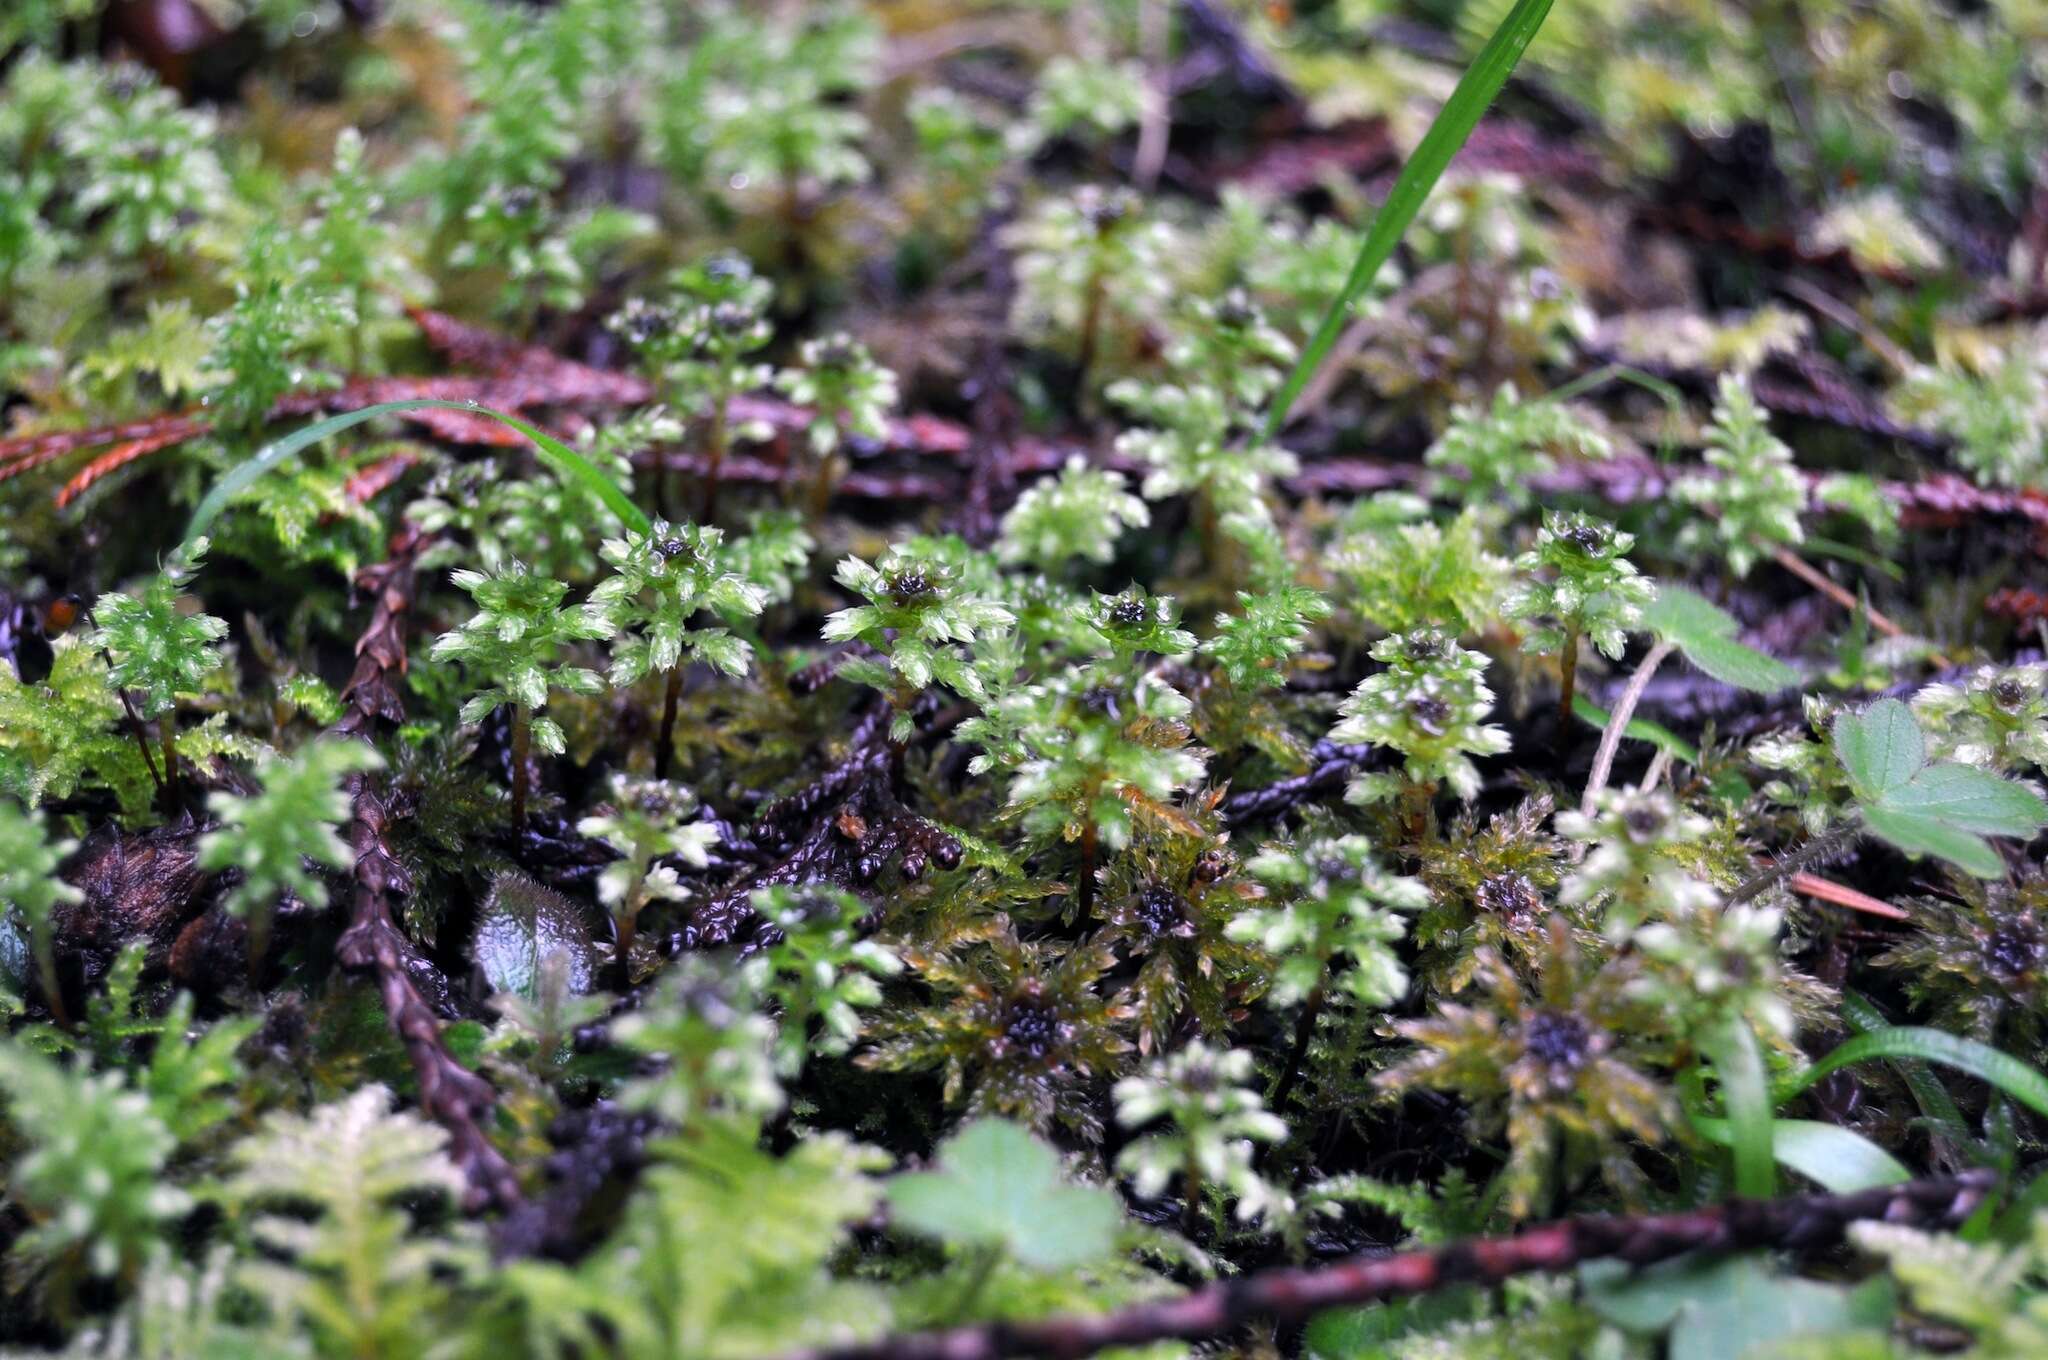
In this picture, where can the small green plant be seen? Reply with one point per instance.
(1942, 808)
(998, 1192)
(93, 1176)
(849, 395)
(1018, 1029)
(646, 821)
(1087, 101)
(1550, 1065)
(1998, 417)
(1577, 585)
(1212, 1120)
(145, 166)
(919, 609)
(1078, 514)
(267, 837)
(712, 1044)
(820, 970)
(31, 890)
(660, 581)
(1758, 497)
(1996, 719)
(1979, 960)
(1332, 932)
(355, 1273)
(1431, 705)
(1399, 572)
(1634, 870)
(1089, 272)
(158, 651)
(511, 643)
(700, 348)
(283, 311)
(1201, 447)
(1504, 449)
(1098, 751)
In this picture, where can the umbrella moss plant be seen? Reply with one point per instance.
(743, 681)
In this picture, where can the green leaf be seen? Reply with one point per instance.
(2020, 1080)
(1454, 123)
(1839, 1159)
(1928, 1093)
(1705, 633)
(1723, 1307)
(1974, 799)
(569, 464)
(520, 923)
(1881, 748)
(1945, 809)
(1919, 834)
(997, 1186)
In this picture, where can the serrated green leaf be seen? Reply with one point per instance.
(1919, 834)
(997, 1186)
(1972, 799)
(1881, 747)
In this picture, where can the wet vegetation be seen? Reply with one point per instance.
(886, 679)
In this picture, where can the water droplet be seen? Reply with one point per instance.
(739, 182)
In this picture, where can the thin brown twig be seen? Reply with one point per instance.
(1806, 572)
(1794, 1222)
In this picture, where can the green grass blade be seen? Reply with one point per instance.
(1638, 729)
(2019, 1080)
(1454, 123)
(1746, 1091)
(1927, 1091)
(567, 463)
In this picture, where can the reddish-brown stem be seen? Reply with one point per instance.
(665, 739)
(1304, 1034)
(1805, 571)
(1567, 687)
(167, 737)
(258, 943)
(1289, 1295)
(522, 741)
(1084, 899)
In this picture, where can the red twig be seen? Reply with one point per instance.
(1803, 1221)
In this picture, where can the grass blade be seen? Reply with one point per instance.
(2020, 1080)
(570, 465)
(1454, 123)
(1745, 1090)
